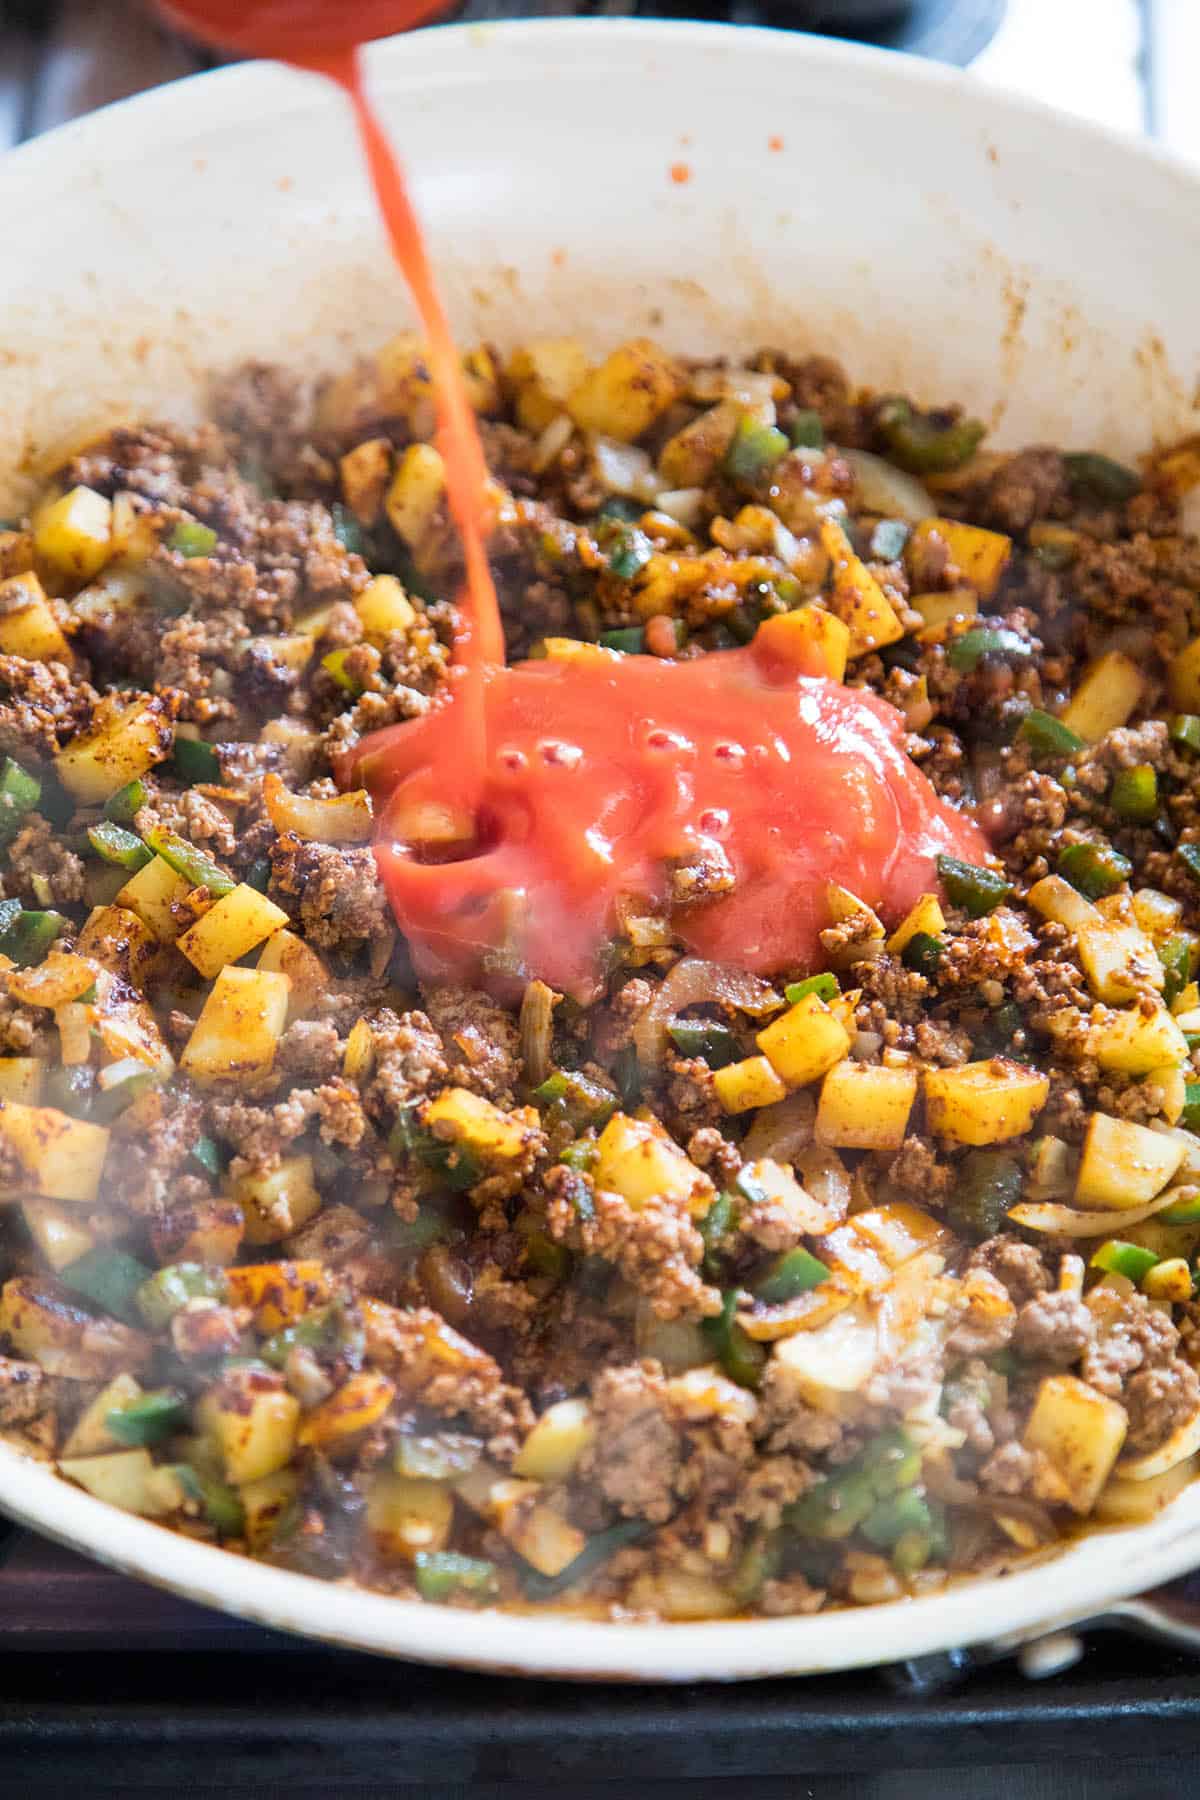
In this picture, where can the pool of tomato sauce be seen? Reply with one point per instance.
(588, 780)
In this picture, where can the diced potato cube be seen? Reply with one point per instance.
(264, 1503)
(865, 1107)
(1183, 678)
(1133, 1042)
(926, 917)
(630, 389)
(535, 1531)
(857, 598)
(229, 929)
(125, 1478)
(124, 743)
(1080, 1432)
(1056, 899)
(1170, 1279)
(90, 1435)
(805, 1042)
(635, 1159)
(239, 1027)
(278, 1293)
(690, 458)
(981, 556)
(360, 1402)
(73, 534)
(287, 954)
(1157, 914)
(1124, 1164)
(457, 1116)
(364, 473)
(278, 1201)
(751, 1082)
(151, 894)
(58, 1157)
(1106, 697)
(383, 607)
(21, 1078)
(808, 640)
(253, 1421)
(28, 626)
(557, 1442)
(683, 1595)
(406, 1516)
(984, 1102)
(939, 610)
(543, 373)
(828, 1368)
(416, 493)
(1119, 961)
(121, 941)
(59, 1230)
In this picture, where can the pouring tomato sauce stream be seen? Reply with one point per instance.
(531, 802)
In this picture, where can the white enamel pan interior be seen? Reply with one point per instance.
(717, 187)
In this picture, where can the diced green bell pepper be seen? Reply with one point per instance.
(791, 1273)
(978, 891)
(923, 953)
(707, 1039)
(110, 1278)
(1134, 793)
(740, 1356)
(123, 806)
(1094, 870)
(824, 986)
(190, 538)
(347, 530)
(207, 1152)
(987, 1187)
(26, 936)
(1048, 736)
(966, 652)
(441, 1456)
(193, 760)
(113, 844)
(576, 1100)
(1099, 478)
(714, 1228)
(755, 450)
(926, 443)
(148, 1419)
(193, 865)
(1184, 730)
(162, 1294)
(443, 1575)
(1116, 1257)
(806, 430)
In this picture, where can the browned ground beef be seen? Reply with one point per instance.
(474, 1333)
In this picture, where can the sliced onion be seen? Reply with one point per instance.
(684, 505)
(885, 489)
(1065, 1221)
(537, 1019)
(553, 442)
(748, 385)
(344, 819)
(1183, 1442)
(782, 1131)
(624, 469)
(695, 983)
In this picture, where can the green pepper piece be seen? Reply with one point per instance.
(1175, 955)
(222, 1504)
(627, 1074)
(1048, 736)
(896, 1516)
(629, 550)
(71, 1088)
(912, 1549)
(148, 1419)
(1184, 1212)
(190, 538)
(309, 1333)
(116, 845)
(1189, 856)
(806, 430)
(30, 934)
(207, 1152)
(923, 953)
(712, 1042)
(123, 806)
(580, 1157)
(1116, 1257)
(1099, 478)
(1184, 730)
(836, 1507)
(258, 875)
(714, 1228)
(347, 530)
(759, 1563)
(442, 1575)
(825, 987)
(455, 1165)
(441, 1456)
(989, 1185)
(19, 794)
(162, 1294)
(966, 652)
(791, 1273)
(1094, 869)
(193, 865)
(738, 1354)
(754, 451)
(1189, 1118)
(888, 539)
(1055, 557)
(1134, 793)
(119, 1085)
(978, 891)
(575, 1100)
(892, 1460)
(619, 506)
(927, 443)
(110, 1278)
(335, 665)
(631, 640)
(193, 760)
(597, 1551)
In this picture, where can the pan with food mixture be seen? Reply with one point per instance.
(693, 1293)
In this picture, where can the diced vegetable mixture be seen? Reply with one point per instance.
(716, 1296)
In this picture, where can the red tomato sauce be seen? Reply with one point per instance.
(581, 784)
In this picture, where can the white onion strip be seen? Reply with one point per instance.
(1065, 1221)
